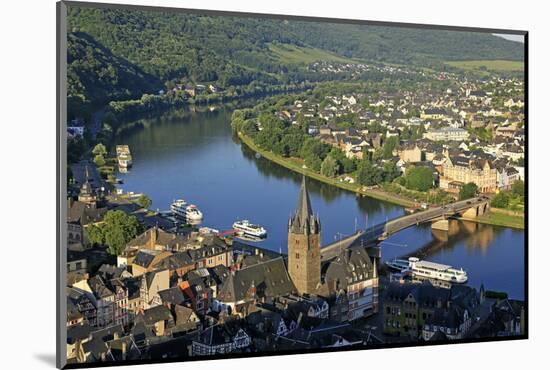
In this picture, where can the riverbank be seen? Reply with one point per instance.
(500, 217)
(295, 165)
(496, 217)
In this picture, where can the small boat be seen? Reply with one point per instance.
(192, 213)
(250, 229)
(179, 208)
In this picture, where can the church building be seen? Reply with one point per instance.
(304, 245)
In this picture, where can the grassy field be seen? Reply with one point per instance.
(501, 219)
(293, 54)
(490, 65)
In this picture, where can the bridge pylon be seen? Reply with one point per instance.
(476, 211)
(441, 225)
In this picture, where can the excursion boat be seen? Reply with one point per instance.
(125, 161)
(398, 264)
(179, 208)
(429, 270)
(192, 213)
(250, 229)
(124, 156)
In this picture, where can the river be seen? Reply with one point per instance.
(195, 156)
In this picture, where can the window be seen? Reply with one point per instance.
(297, 255)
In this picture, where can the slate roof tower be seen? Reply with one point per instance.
(304, 245)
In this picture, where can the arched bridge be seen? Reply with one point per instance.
(438, 216)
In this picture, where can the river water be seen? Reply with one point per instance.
(194, 156)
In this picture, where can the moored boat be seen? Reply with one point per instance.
(250, 229)
(397, 264)
(124, 157)
(432, 270)
(192, 213)
(179, 208)
(429, 270)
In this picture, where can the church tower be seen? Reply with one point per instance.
(304, 245)
(86, 194)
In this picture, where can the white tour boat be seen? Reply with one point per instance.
(250, 229)
(192, 213)
(432, 270)
(179, 208)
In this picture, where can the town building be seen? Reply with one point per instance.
(447, 134)
(460, 170)
(350, 283)
(410, 153)
(419, 311)
(260, 282)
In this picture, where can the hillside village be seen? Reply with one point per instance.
(465, 131)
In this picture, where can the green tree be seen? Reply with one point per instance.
(348, 165)
(314, 163)
(99, 160)
(390, 171)
(389, 145)
(99, 149)
(419, 178)
(94, 234)
(501, 200)
(329, 167)
(469, 190)
(367, 174)
(117, 229)
(144, 201)
(518, 188)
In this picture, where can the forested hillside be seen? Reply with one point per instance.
(94, 73)
(115, 54)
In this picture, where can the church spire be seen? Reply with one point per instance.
(304, 204)
(303, 220)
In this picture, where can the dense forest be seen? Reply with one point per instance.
(121, 54)
(95, 74)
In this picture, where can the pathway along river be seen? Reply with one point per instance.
(195, 156)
